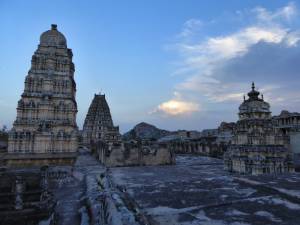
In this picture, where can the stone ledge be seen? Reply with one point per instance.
(39, 155)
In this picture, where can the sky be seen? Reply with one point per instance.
(175, 64)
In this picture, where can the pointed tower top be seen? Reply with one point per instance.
(253, 94)
(53, 27)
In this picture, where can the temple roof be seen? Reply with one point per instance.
(253, 94)
(254, 103)
(287, 114)
(99, 112)
(53, 38)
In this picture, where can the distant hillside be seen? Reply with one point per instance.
(145, 131)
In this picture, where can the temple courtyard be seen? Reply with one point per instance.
(198, 191)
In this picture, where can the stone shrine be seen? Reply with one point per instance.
(257, 146)
(45, 130)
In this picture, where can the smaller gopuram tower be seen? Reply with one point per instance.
(105, 142)
(257, 146)
(98, 124)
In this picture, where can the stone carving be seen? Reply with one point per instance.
(147, 150)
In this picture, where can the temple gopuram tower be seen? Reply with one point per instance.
(257, 146)
(98, 124)
(104, 140)
(45, 130)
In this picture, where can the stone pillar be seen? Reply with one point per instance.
(19, 188)
(44, 178)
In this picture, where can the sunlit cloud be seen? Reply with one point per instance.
(177, 107)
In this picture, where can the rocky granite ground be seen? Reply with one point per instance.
(71, 191)
(198, 191)
(194, 191)
(85, 196)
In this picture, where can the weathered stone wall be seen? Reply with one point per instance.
(21, 161)
(134, 154)
(295, 148)
(289, 124)
(212, 149)
(258, 160)
(24, 197)
(295, 142)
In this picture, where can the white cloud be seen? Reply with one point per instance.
(236, 97)
(233, 45)
(190, 27)
(202, 61)
(175, 107)
(217, 70)
(287, 12)
(292, 38)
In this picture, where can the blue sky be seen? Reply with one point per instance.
(176, 64)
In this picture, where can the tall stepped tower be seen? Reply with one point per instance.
(45, 130)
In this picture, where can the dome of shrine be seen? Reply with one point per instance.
(53, 37)
(254, 103)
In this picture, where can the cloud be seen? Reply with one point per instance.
(287, 12)
(190, 27)
(220, 68)
(210, 53)
(175, 107)
(215, 67)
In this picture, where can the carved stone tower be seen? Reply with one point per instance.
(98, 124)
(257, 147)
(45, 130)
(105, 142)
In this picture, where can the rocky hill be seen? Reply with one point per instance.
(145, 131)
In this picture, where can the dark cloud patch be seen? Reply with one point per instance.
(264, 63)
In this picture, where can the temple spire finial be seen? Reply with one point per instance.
(253, 86)
(53, 27)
